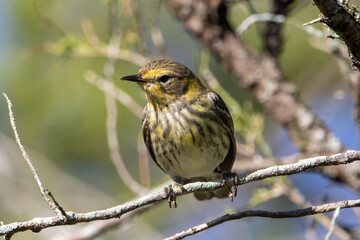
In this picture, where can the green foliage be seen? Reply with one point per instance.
(66, 45)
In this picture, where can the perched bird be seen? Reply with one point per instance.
(187, 128)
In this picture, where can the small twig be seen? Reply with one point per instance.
(261, 17)
(333, 223)
(333, 36)
(344, 21)
(46, 20)
(51, 201)
(156, 34)
(115, 153)
(328, 207)
(89, 33)
(312, 22)
(99, 48)
(313, 31)
(139, 27)
(55, 202)
(111, 89)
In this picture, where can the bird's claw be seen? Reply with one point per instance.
(171, 196)
(234, 179)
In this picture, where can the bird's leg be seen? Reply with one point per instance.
(234, 179)
(171, 196)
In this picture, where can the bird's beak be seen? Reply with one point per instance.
(133, 78)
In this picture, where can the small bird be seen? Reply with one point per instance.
(187, 128)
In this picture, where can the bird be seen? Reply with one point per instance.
(187, 128)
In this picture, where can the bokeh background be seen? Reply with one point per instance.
(61, 117)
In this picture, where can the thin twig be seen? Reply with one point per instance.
(312, 22)
(44, 192)
(118, 93)
(344, 21)
(333, 223)
(94, 48)
(347, 157)
(156, 34)
(260, 17)
(111, 121)
(328, 207)
(39, 12)
(99, 48)
(139, 27)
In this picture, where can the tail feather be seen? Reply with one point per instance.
(207, 195)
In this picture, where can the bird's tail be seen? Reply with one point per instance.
(207, 195)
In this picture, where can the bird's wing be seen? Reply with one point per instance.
(227, 122)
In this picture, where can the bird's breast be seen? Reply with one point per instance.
(187, 140)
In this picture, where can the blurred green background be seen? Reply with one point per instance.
(61, 117)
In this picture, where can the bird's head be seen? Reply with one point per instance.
(164, 81)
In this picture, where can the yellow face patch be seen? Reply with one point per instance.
(153, 91)
(194, 88)
(153, 74)
(166, 92)
(152, 87)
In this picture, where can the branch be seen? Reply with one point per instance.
(259, 17)
(37, 224)
(273, 38)
(111, 120)
(328, 207)
(302, 165)
(48, 197)
(344, 22)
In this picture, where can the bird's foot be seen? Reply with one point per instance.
(234, 179)
(171, 196)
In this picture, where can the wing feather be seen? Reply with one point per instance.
(228, 124)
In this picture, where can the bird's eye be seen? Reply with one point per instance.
(164, 78)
